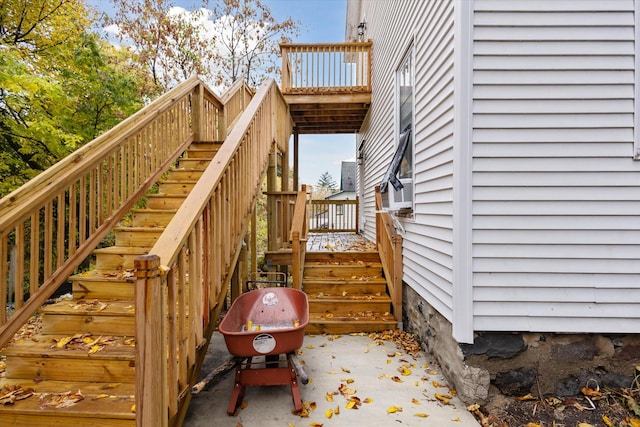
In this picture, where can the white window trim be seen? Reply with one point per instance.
(410, 50)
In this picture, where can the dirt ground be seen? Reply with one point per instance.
(606, 408)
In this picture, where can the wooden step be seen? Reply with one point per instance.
(364, 256)
(104, 404)
(152, 217)
(104, 284)
(117, 257)
(348, 305)
(141, 237)
(338, 287)
(182, 173)
(176, 187)
(109, 317)
(351, 270)
(208, 145)
(41, 358)
(363, 322)
(194, 152)
(197, 164)
(165, 201)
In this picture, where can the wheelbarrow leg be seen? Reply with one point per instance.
(238, 388)
(295, 390)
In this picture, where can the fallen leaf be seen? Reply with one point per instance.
(444, 398)
(329, 397)
(607, 421)
(584, 425)
(420, 414)
(368, 400)
(415, 401)
(393, 409)
(526, 398)
(328, 413)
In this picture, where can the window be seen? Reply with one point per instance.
(405, 86)
(399, 197)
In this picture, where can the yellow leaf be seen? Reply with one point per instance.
(133, 409)
(337, 410)
(368, 400)
(415, 401)
(635, 422)
(444, 398)
(393, 409)
(350, 404)
(607, 421)
(584, 425)
(329, 397)
(421, 415)
(94, 349)
(101, 396)
(346, 370)
(310, 347)
(328, 413)
(405, 372)
(533, 425)
(526, 397)
(63, 341)
(388, 361)
(316, 424)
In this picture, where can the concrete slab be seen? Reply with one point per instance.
(329, 361)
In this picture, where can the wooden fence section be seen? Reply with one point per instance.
(236, 100)
(49, 226)
(326, 68)
(299, 232)
(389, 244)
(182, 282)
(331, 216)
(281, 211)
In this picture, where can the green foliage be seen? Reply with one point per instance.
(60, 86)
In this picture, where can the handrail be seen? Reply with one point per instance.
(299, 232)
(326, 67)
(194, 258)
(49, 226)
(389, 244)
(235, 101)
(333, 216)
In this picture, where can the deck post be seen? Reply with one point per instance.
(151, 350)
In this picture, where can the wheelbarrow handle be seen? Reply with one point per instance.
(297, 365)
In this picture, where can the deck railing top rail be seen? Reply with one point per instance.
(326, 68)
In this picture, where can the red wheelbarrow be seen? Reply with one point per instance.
(266, 322)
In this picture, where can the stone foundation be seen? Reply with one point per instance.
(521, 363)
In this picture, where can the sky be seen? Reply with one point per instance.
(321, 21)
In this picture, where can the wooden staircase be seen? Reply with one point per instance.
(79, 359)
(347, 293)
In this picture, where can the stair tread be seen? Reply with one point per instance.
(133, 250)
(348, 298)
(41, 346)
(92, 307)
(138, 228)
(316, 317)
(106, 276)
(88, 388)
(343, 280)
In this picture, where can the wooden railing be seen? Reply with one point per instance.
(328, 216)
(389, 244)
(326, 68)
(49, 226)
(182, 281)
(235, 100)
(299, 232)
(281, 211)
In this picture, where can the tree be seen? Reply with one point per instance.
(171, 42)
(236, 38)
(59, 86)
(325, 187)
(248, 42)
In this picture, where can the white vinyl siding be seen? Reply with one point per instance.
(428, 242)
(556, 192)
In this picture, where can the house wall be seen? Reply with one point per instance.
(556, 189)
(427, 244)
(525, 133)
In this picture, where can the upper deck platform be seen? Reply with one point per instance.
(327, 86)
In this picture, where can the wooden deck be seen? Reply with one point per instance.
(338, 242)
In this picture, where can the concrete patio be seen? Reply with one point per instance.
(377, 372)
